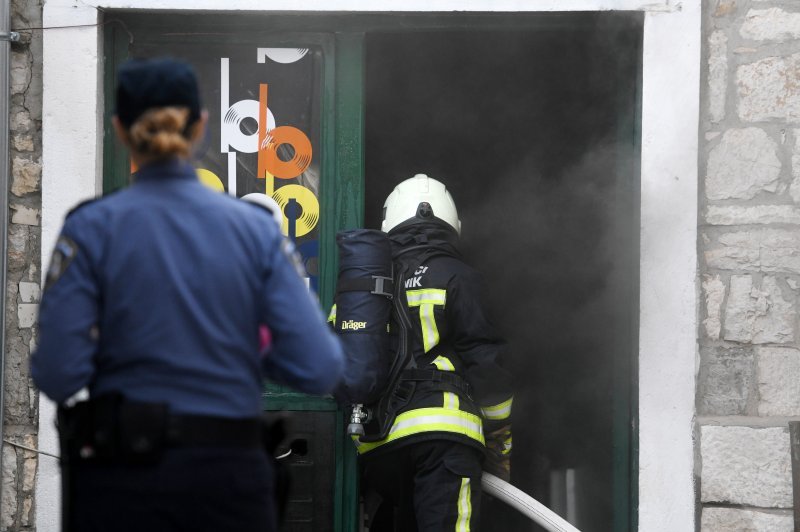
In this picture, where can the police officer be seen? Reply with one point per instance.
(153, 302)
(426, 474)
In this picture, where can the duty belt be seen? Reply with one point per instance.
(198, 431)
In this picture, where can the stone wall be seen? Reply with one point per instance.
(20, 416)
(748, 385)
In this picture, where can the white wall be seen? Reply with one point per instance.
(72, 132)
(72, 110)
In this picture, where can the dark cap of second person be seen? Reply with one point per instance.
(143, 84)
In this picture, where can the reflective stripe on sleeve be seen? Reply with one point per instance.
(497, 412)
(430, 420)
(426, 296)
(332, 315)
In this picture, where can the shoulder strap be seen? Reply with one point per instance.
(376, 284)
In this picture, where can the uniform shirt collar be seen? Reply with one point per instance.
(171, 169)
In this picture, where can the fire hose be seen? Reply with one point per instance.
(525, 504)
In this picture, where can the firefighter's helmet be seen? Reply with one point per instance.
(418, 199)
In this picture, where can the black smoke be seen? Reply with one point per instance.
(535, 134)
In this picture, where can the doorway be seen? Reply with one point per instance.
(535, 133)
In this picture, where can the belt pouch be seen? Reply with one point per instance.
(142, 431)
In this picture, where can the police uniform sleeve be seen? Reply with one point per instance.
(63, 362)
(305, 354)
(481, 350)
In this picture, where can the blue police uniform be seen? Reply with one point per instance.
(158, 292)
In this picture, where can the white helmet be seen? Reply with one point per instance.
(419, 197)
(268, 203)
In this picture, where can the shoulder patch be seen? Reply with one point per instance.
(65, 251)
(288, 249)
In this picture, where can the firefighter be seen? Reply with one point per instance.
(153, 302)
(456, 407)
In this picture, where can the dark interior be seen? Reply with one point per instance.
(535, 133)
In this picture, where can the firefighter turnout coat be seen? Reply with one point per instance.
(451, 335)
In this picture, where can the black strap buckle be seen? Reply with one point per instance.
(381, 286)
(374, 284)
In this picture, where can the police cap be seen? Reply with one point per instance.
(143, 84)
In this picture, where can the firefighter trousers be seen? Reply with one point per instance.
(428, 486)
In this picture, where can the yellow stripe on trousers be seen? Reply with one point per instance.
(464, 506)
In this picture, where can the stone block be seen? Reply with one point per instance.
(22, 143)
(754, 250)
(772, 24)
(29, 292)
(724, 8)
(725, 380)
(20, 121)
(714, 290)
(717, 75)
(17, 392)
(769, 89)
(24, 215)
(741, 520)
(18, 238)
(27, 11)
(26, 176)
(781, 260)
(20, 75)
(8, 509)
(759, 314)
(756, 214)
(29, 474)
(733, 258)
(27, 513)
(794, 188)
(748, 466)
(743, 164)
(27, 314)
(778, 381)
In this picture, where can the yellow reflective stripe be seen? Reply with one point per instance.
(426, 296)
(430, 333)
(430, 420)
(450, 401)
(425, 299)
(332, 315)
(507, 446)
(443, 364)
(501, 411)
(464, 506)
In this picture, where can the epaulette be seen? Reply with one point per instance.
(81, 205)
(86, 202)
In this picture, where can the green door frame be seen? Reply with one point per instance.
(342, 38)
(341, 199)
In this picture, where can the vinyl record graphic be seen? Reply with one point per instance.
(233, 132)
(302, 151)
(309, 217)
(284, 55)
